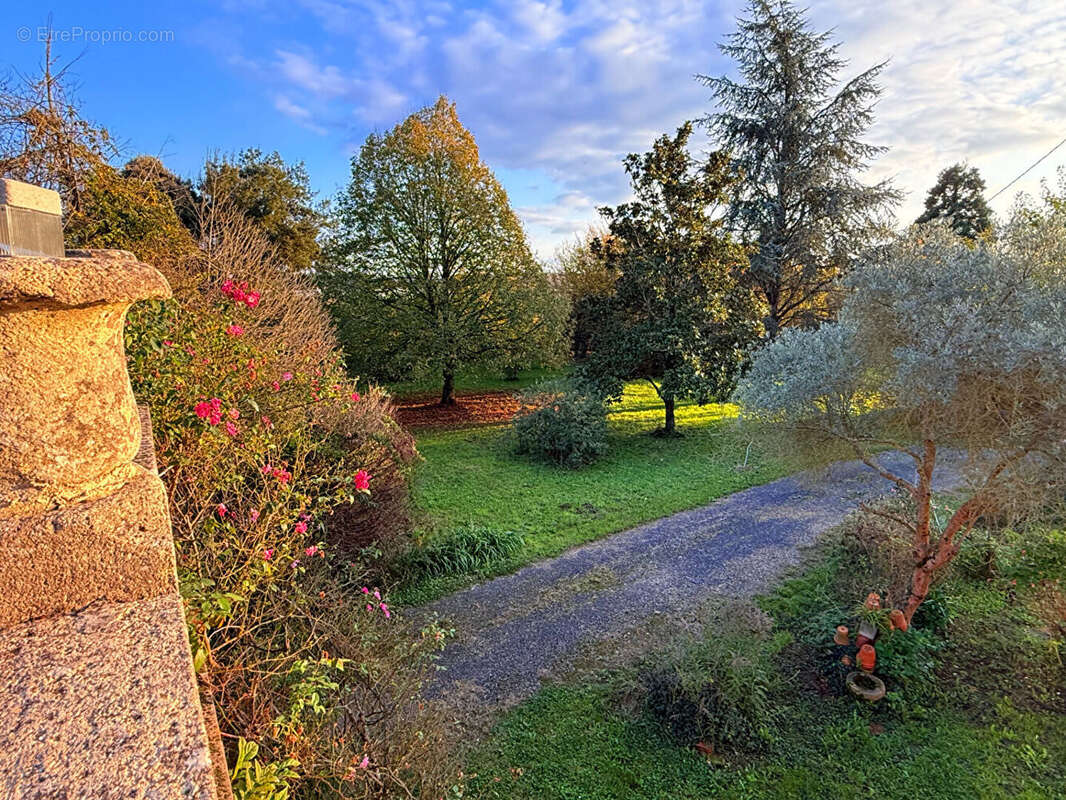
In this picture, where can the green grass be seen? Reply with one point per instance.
(472, 476)
(474, 381)
(990, 730)
(568, 743)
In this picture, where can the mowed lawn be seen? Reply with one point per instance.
(473, 476)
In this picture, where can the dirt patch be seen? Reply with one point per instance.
(469, 410)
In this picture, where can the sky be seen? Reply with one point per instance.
(556, 93)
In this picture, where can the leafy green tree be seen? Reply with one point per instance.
(277, 196)
(797, 140)
(941, 343)
(428, 266)
(181, 192)
(679, 316)
(959, 198)
(585, 275)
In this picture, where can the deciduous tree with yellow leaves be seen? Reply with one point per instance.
(429, 267)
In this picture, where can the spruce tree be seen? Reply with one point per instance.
(958, 197)
(796, 135)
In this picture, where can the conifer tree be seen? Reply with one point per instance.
(796, 135)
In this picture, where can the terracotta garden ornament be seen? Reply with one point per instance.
(867, 658)
(841, 636)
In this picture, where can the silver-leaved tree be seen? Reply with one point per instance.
(940, 344)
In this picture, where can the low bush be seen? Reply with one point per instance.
(719, 688)
(562, 423)
(459, 552)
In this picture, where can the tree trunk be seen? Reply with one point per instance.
(447, 393)
(669, 427)
(943, 553)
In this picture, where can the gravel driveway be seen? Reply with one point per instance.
(516, 630)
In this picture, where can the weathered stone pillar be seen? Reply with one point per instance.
(97, 693)
(69, 428)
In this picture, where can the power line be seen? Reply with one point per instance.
(1027, 171)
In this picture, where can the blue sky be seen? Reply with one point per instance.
(555, 92)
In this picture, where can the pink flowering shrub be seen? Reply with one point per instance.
(270, 453)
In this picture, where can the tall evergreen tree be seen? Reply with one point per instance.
(959, 198)
(796, 136)
(679, 316)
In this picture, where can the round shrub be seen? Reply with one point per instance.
(562, 423)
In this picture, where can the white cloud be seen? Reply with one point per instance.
(566, 89)
(973, 81)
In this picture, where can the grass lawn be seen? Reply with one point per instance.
(988, 722)
(569, 743)
(474, 381)
(472, 476)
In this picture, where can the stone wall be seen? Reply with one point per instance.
(97, 694)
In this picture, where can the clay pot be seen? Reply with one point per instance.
(899, 622)
(867, 658)
(841, 636)
(873, 600)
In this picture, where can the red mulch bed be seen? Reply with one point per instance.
(486, 408)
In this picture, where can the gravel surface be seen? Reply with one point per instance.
(515, 631)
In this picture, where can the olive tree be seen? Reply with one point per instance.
(941, 343)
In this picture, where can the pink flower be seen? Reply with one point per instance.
(295, 564)
(251, 299)
(365, 762)
(283, 475)
(231, 429)
(266, 422)
(267, 469)
(239, 292)
(362, 480)
(268, 554)
(234, 413)
(310, 551)
(300, 527)
(168, 343)
(355, 397)
(275, 386)
(211, 410)
(385, 608)
(377, 594)
(254, 516)
(369, 607)
(235, 330)
(221, 510)
(286, 376)
(365, 590)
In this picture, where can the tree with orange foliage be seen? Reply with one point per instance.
(429, 265)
